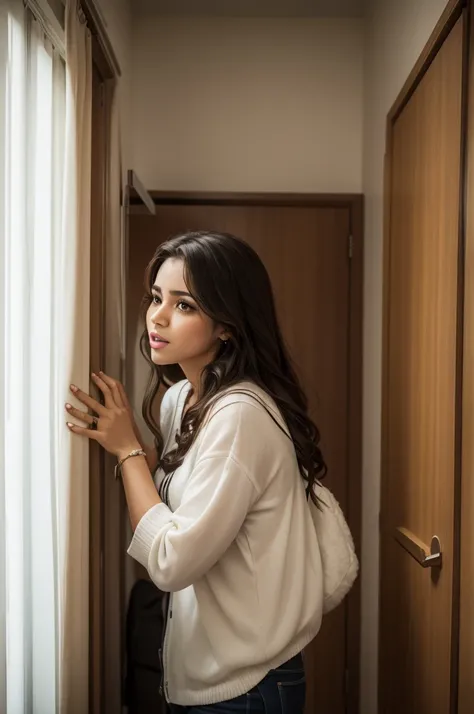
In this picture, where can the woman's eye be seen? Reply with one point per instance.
(184, 307)
(155, 300)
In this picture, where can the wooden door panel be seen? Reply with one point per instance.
(419, 454)
(306, 253)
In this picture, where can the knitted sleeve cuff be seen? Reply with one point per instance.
(146, 531)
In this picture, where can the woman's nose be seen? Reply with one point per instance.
(159, 316)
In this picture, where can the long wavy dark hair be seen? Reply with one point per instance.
(230, 284)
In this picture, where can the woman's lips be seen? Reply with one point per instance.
(158, 345)
(157, 342)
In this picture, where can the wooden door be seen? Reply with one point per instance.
(306, 251)
(421, 417)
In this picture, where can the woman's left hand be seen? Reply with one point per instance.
(113, 427)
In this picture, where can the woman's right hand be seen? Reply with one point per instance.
(151, 456)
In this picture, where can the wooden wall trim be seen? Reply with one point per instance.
(189, 198)
(137, 193)
(355, 444)
(459, 416)
(466, 593)
(97, 351)
(105, 622)
(100, 38)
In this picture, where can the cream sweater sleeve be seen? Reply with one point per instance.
(179, 547)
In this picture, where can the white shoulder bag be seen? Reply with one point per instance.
(338, 557)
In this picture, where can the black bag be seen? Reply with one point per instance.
(144, 637)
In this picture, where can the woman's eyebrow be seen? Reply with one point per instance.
(181, 293)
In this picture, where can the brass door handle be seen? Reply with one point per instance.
(427, 558)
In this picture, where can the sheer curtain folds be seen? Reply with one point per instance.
(44, 346)
(33, 125)
(73, 363)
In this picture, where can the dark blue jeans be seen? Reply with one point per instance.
(281, 692)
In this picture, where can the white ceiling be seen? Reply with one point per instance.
(251, 8)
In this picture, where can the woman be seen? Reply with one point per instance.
(223, 525)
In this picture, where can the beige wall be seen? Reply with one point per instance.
(240, 104)
(396, 33)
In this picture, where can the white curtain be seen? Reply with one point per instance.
(73, 366)
(44, 336)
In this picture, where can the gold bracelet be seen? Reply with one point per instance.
(135, 452)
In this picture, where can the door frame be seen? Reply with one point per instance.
(355, 205)
(105, 623)
(465, 692)
(445, 24)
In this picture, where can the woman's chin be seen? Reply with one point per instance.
(158, 358)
